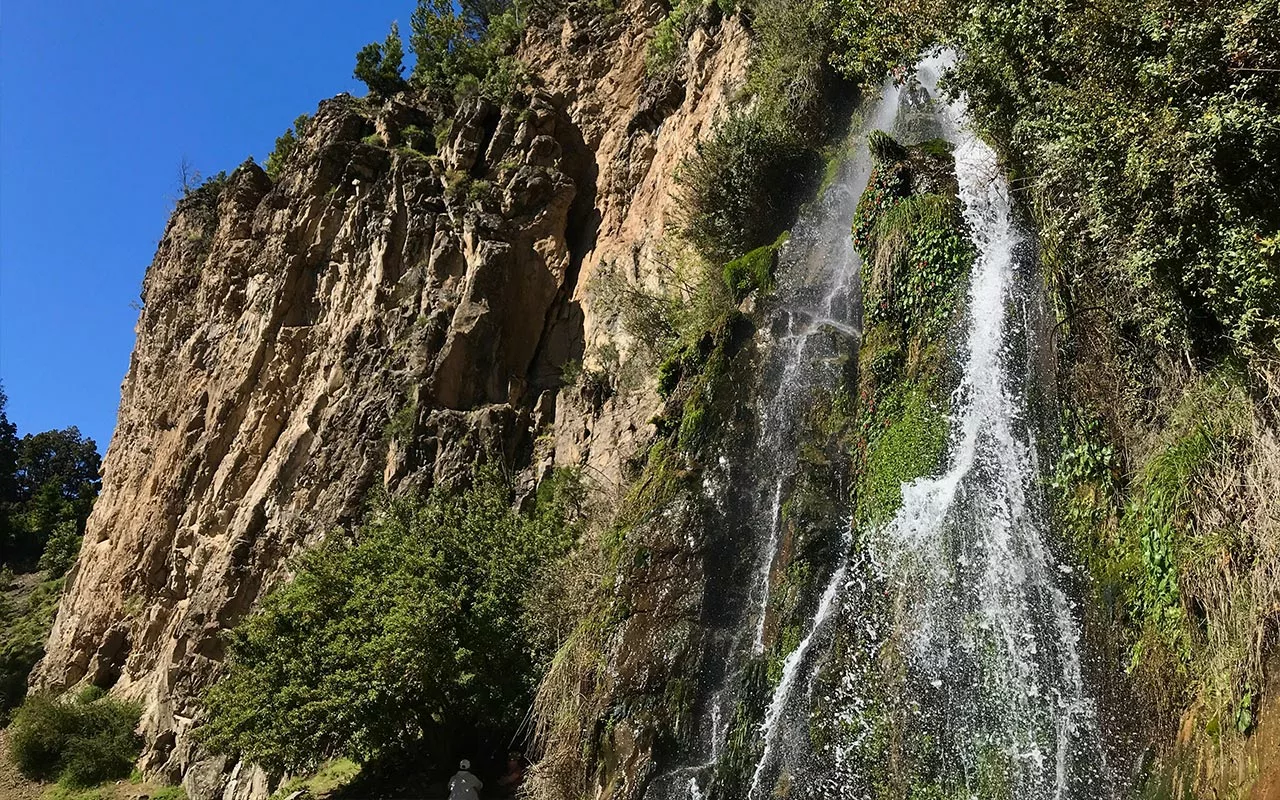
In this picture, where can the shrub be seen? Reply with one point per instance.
(62, 549)
(80, 744)
(408, 638)
(790, 76)
(668, 42)
(876, 37)
(286, 144)
(738, 186)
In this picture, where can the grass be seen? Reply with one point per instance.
(328, 778)
(1187, 541)
(131, 790)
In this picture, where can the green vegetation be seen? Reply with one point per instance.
(1179, 546)
(462, 51)
(411, 638)
(667, 47)
(24, 627)
(134, 789)
(286, 143)
(381, 66)
(331, 776)
(48, 482)
(904, 434)
(754, 271)
(730, 186)
(80, 742)
(916, 252)
(745, 180)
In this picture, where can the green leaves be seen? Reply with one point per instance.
(79, 742)
(286, 143)
(411, 635)
(380, 66)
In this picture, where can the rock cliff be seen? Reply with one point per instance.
(394, 306)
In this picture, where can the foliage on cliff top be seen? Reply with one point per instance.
(1145, 131)
(462, 49)
(409, 638)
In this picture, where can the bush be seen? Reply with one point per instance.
(739, 185)
(80, 744)
(409, 639)
(790, 76)
(62, 549)
(669, 37)
(286, 143)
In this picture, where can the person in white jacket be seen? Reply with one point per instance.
(463, 785)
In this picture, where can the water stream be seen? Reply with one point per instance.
(989, 644)
(812, 324)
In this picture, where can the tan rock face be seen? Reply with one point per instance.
(639, 129)
(377, 315)
(285, 328)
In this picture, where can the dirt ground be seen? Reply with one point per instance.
(12, 785)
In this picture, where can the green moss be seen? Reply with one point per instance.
(906, 435)
(753, 271)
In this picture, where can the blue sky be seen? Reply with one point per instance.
(99, 102)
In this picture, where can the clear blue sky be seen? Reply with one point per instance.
(99, 102)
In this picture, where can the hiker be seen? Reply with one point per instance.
(510, 782)
(463, 785)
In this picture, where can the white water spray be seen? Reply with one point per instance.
(985, 622)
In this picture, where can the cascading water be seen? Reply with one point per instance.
(988, 630)
(815, 321)
(989, 648)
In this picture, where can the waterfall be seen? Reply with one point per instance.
(814, 318)
(989, 643)
(987, 626)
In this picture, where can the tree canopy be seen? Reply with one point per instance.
(410, 637)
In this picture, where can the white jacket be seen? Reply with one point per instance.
(463, 786)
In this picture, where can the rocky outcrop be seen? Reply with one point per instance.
(377, 315)
(638, 127)
(382, 314)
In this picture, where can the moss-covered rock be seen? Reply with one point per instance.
(916, 252)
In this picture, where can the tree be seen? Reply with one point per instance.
(479, 13)
(64, 459)
(381, 66)
(440, 42)
(8, 453)
(8, 480)
(53, 480)
(412, 638)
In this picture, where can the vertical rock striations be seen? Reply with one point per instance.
(399, 303)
